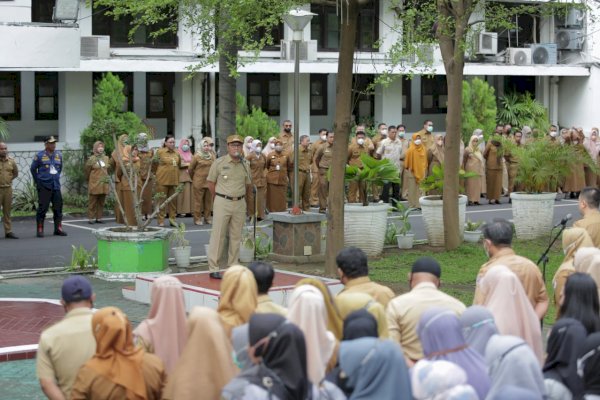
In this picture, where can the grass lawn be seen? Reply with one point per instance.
(460, 267)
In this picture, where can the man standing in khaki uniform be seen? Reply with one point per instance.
(167, 178)
(314, 168)
(304, 160)
(278, 167)
(96, 171)
(589, 200)
(425, 133)
(323, 159)
(361, 145)
(8, 172)
(228, 181)
(287, 137)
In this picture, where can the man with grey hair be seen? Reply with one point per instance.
(497, 241)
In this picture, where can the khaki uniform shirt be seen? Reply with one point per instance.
(404, 312)
(199, 168)
(376, 140)
(426, 138)
(529, 274)
(324, 156)
(278, 167)
(591, 223)
(91, 385)
(229, 176)
(65, 347)
(267, 306)
(167, 171)
(287, 141)
(315, 147)
(355, 150)
(145, 164)
(305, 156)
(382, 294)
(96, 169)
(8, 172)
(258, 165)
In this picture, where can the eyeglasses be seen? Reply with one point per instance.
(287, 126)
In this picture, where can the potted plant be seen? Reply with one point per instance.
(368, 218)
(543, 165)
(472, 232)
(247, 246)
(404, 237)
(432, 206)
(181, 246)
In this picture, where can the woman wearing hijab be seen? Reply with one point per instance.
(435, 157)
(360, 323)
(415, 163)
(374, 369)
(478, 327)
(440, 380)
(194, 380)
(334, 319)
(258, 162)
(592, 146)
(269, 147)
(238, 297)
(440, 333)
(96, 170)
(473, 162)
(307, 310)
(348, 302)
(199, 167)
(163, 332)
(575, 180)
(588, 365)
(560, 369)
(493, 169)
(115, 165)
(247, 149)
(184, 199)
(572, 240)
(513, 313)
(510, 361)
(580, 301)
(589, 263)
(119, 369)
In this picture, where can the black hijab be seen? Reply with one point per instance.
(588, 364)
(358, 324)
(564, 345)
(283, 356)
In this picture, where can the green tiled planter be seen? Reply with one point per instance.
(124, 255)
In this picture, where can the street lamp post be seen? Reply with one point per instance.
(297, 20)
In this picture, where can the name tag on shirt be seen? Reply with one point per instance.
(53, 170)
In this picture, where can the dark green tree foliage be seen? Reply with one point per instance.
(255, 123)
(479, 108)
(522, 109)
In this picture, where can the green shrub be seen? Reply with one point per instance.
(26, 198)
(522, 109)
(74, 170)
(479, 108)
(256, 123)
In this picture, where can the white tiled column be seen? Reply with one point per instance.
(287, 101)
(75, 94)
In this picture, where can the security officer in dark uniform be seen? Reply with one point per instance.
(45, 169)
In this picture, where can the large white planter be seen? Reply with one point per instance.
(182, 256)
(405, 241)
(532, 214)
(246, 254)
(364, 227)
(472, 236)
(433, 218)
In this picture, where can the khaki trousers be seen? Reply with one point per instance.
(404, 184)
(323, 189)
(96, 206)
(261, 203)
(512, 174)
(314, 184)
(276, 197)
(6, 204)
(354, 192)
(202, 203)
(304, 186)
(228, 220)
(171, 207)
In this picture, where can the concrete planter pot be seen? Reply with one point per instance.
(182, 256)
(472, 236)
(532, 214)
(433, 217)
(122, 255)
(364, 227)
(405, 241)
(246, 254)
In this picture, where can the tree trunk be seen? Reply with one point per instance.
(341, 127)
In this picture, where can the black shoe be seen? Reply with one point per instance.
(10, 235)
(216, 275)
(99, 221)
(60, 232)
(91, 222)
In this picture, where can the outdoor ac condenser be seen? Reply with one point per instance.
(572, 19)
(569, 39)
(95, 46)
(487, 43)
(518, 56)
(544, 53)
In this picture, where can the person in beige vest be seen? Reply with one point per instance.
(146, 154)
(263, 274)
(357, 147)
(199, 167)
(314, 169)
(497, 240)
(228, 181)
(167, 164)
(96, 173)
(279, 165)
(426, 134)
(589, 200)
(8, 172)
(184, 198)
(323, 159)
(258, 164)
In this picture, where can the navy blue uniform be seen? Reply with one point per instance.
(45, 169)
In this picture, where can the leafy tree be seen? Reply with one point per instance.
(108, 116)
(522, 109)
(256, 123)
(479, 108)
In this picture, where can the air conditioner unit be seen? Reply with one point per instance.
(573, 18)
(487, 43)
(569, 39)
(544, 53)
(95, 46)
(308, 50)
(518, 56)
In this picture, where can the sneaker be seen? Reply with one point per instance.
(216, 275)
(91, 222)
(208, 221)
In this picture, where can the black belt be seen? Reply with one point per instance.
(229, 197)
(304, 170)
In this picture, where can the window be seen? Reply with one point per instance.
(127, 79)
(118, 30)
(406, 95)
(363, 100)
(318, 94)
(263, 92)
(46, 96)
(42, 10)
(276, 35)
(325, 27)
(528, 25)
(10, 96)
(159, 95)
(434, 95)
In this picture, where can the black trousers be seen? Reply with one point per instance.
(45, 197)
(385, 194)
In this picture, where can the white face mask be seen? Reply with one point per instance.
(418, 142)
(360, 141)
(553, 133)
(401, 134)
(480, 137)
(272, 145)
(258, 149)
(575, 141)
(384, 132)
(185, 148)
(323, 137)
(278, 148)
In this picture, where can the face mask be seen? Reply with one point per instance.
(384, 132)
(401, 134)
(272, 145)
(440, 143)
(480, 137)
(418, 142)
(278, 148)
(236, 154)
(258, 149)
(185, 147)
(100, 150)
(430, 129)
(360, 141)
(553, 133)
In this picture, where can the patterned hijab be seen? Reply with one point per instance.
(239, 297)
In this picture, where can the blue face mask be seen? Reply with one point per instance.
(185, 147)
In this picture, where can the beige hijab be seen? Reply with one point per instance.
(239, 297)
(587, 260)
(307, 310)
(438, 151)
(574, 239)
(164, 329)
(513, 313)
(206, 364)
(347, 302)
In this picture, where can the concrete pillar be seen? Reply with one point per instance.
(196, 106)
(139, 94)
(75, 93)
(388, 102)
(287, 101)
(182, 96)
